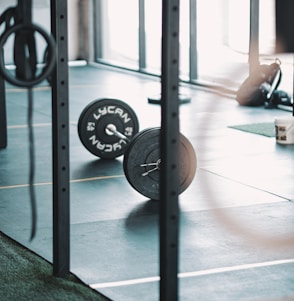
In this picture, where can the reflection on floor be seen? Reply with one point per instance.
(236, 228)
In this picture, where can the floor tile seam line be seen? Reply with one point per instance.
(244, 184)
(23, 126)
(96, 178)
(48, 88)
(24, 90)
(193, 274)
(71, 181)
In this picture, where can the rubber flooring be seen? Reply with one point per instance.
(236, 217)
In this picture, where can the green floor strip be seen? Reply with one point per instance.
(265, 129)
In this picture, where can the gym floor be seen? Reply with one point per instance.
(236, 217)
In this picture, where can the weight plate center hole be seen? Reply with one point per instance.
(110, 129)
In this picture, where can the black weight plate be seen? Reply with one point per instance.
(92, 127)
(145, 149)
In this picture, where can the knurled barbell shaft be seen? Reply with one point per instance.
(156, 164)
(144, 174)
(148, 164)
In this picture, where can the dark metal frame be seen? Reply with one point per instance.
(169, 151)
(60, 142)
(169, 178)
(60, 135)
(3, 118)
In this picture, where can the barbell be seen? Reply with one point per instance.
(109, 128)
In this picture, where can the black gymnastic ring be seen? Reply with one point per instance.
(46, 70)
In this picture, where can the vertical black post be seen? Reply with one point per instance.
(142, 36)
(284, 25)
(3, 122)
(60, 140)
(285, 29)
(254, 35)
(98, 30)
(83, 30)
(193, 55)
(169, 150)
(24, 11)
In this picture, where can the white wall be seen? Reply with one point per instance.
(73, 29)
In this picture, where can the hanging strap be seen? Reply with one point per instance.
(32, 164)
(25, 60)
(25, 56)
